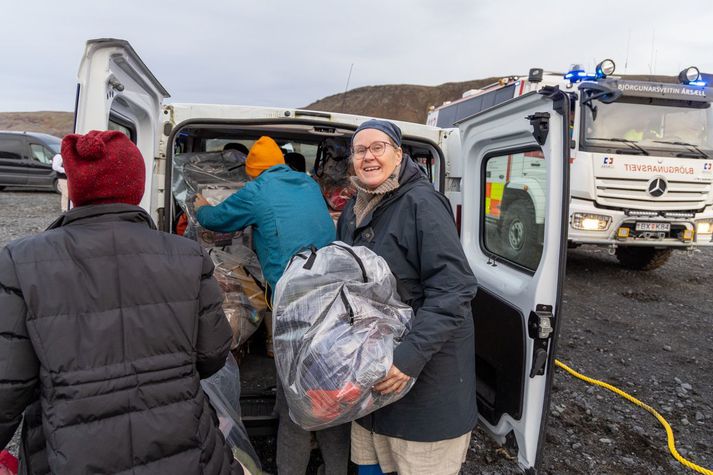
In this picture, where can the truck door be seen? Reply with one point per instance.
(116, 91)
(517, 308)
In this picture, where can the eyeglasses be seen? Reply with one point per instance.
(377, 149)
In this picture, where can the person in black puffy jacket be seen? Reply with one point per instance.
(106, 328)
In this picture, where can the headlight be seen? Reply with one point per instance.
(704, 226)
(590, 222)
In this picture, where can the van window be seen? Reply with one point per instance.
(308, 150)
(116, 123)
(41, 153)
(11, 147)
(513, 201)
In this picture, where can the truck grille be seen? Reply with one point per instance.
(632, 194)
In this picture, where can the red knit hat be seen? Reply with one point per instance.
(103, 167)
(9, 460)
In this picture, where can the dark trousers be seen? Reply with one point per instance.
(293, 444)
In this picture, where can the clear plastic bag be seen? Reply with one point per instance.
(332, 174)
(216, 175)
(223, 391)
(337, 320)
(238, 273)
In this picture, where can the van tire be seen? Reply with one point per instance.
(519, 234)
(642, 258)
(55, 186)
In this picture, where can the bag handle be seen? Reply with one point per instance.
(309, 260)
(356, 258)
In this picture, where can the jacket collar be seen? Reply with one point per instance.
(273, 169)
(104, 212)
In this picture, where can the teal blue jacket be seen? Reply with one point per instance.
(287, 211)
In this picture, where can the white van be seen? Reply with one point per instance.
(517, 309)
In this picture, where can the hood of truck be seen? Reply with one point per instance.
(651, 183)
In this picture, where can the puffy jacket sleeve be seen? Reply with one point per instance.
(233, 214)
(447, 281)
(214, 334)
(19, 367)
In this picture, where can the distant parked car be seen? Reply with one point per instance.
(26, 160)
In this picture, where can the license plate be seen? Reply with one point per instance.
(653, 227)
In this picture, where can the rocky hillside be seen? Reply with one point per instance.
(396, 101)
(53, 123)
(410, 103)
(392, 101)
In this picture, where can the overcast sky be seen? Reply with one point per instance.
(291, 53)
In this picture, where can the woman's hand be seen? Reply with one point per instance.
(394, 382)
(199, 202)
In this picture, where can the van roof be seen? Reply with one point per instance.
(227, 112)
(37, 135)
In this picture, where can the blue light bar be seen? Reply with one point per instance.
(697, 83)
(577, 75)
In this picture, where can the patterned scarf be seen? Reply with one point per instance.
(367, 199)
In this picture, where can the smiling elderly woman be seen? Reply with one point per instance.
(399, 216)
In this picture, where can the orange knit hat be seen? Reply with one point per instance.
(265, 153)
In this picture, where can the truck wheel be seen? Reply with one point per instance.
(519, 234)
(642, 258)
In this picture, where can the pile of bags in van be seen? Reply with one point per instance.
(331, 170)
(337, 321)
(239, 275)
(217, 175)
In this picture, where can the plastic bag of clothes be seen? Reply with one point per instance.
(238, 273)
(223, 391)
(331, 170)
(216, 175)
(337, 320)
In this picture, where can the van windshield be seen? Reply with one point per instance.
(55, 145)
(645, 126)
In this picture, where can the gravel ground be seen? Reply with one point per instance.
(648, 333)
(24, 214)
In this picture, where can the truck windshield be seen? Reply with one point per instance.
(654, 126)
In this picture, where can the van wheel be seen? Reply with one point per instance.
(55, 185)
(519, 234)
(642, 258)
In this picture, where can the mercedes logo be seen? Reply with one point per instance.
(657, 187)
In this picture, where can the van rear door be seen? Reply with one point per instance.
(517, 308)
(116, 91)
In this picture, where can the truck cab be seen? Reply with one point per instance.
(641, 160)
(517, 309)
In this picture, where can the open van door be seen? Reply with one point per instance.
(517, 309)
(116, 91)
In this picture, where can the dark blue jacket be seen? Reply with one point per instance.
(106, 327)
(287, 211)
(413, 230)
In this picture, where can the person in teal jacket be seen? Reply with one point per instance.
(288, 214)
(285, 207)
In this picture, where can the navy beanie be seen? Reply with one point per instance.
(389, 128)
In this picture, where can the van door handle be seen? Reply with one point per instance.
(540, 329)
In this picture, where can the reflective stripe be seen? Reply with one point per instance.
(493, 198)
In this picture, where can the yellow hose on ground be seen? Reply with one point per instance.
(669, 432)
